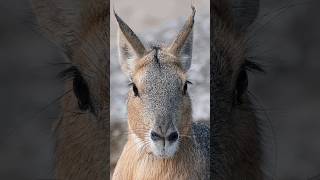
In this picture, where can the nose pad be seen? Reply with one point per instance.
(173, 136)
(155, 136)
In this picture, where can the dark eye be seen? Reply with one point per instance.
(80, 88)
(242, 81)
(135, 90)
(81, 91)
(185, 87)
(242, 85)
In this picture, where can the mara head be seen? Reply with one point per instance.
(159, 107)
(235, 126)
(79, 28)
(230, 62)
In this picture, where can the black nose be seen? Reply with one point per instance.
(155, 136)
(173, 136)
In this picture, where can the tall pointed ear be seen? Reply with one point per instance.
(182, 45)
(58, 19)
(244, 13)
(130, 47)
(186, 52)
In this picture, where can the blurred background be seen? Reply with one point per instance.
(285, 39)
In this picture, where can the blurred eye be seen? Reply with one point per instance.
(135, 90)
(80, 88)
(81, 91)
(242, 81)
(242, 85)
(185, 87)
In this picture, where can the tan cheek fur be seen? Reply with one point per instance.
(137, 124)
(184, 124)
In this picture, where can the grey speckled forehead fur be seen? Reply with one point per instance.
(163, 84)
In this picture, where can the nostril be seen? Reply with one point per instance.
(173, 136)
(155, 136)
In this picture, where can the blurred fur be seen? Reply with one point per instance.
(80, 29)
(235, 142)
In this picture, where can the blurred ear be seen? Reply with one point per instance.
(58, 19)
(244, 13)
(130, 47)
(182, 45)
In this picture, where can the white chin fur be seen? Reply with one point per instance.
(166, 151)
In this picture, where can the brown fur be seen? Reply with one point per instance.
(80, 28)
(236, 140)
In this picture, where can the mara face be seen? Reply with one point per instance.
(159, 107)
(158, 104)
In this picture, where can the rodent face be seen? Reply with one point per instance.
(159, 106)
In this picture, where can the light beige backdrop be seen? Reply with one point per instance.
(148, 14)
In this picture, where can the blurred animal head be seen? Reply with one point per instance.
(80, 29)
(159, 107)
(230, 62)
(235, 144)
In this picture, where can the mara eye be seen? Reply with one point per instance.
(80, 88)
(135, 90)
(185, 87)
(81, 91)
(241, 86)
